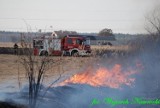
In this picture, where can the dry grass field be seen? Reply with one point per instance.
(106, 47)
(93, 47)
(10, 66)
(8, 44)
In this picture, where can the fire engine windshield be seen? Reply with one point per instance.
(86, 42)
(82, 42)
(78, 41)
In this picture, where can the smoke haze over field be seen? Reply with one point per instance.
(146, 85)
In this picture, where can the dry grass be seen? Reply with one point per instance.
(9, 66)
(101, 49)
(106, 47)
(95, 48)
(8, 44)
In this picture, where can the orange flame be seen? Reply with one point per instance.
(112, 78)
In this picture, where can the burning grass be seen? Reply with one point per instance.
(103, 77)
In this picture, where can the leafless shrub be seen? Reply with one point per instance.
(35, 68)
(153, 24)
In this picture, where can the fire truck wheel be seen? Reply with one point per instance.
(75, 53)
(44, 53)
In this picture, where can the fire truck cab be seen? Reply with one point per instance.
(68, 45)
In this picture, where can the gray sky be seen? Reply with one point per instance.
(122, 16)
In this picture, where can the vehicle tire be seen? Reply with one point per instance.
(75, 54)
(41, 54)
(110, 44)
(44, 53)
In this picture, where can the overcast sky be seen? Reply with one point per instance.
(122, 16)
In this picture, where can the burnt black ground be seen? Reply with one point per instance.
(11, 105)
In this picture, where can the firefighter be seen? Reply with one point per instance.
(15, 49)
(81, 45)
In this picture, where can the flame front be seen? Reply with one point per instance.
(112, 78)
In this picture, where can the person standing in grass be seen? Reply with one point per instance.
(15, 49)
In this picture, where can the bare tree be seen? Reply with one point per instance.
(153, 23)
(35, 68)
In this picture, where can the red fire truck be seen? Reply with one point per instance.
(72, 45)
